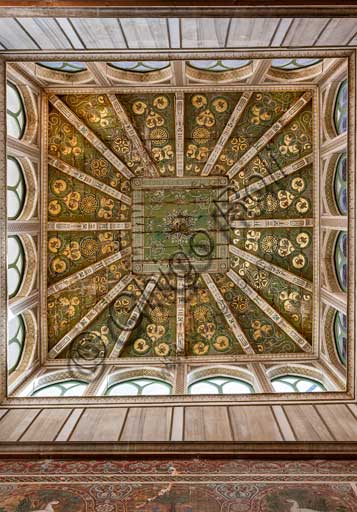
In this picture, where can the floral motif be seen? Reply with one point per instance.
(220, 105)
(54, 244)
(89, 203)
(162, 349)
(239, 144)
(289, 146)
(259, 115)
(221, 343)
(160, 102)
(106, 208)
(200, 348)
(199, 100)
(197, 153)
(121, 145)
(206, 330)
(139, 107)
(141, 346)
(206, 118)
(154, 119)
(99, 167)
(72, 200)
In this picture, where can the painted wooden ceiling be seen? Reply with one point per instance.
(181, 223)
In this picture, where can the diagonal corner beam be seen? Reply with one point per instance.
(180, 316)
(90, 136)
(270, 311)
(90, 316)
(88, 180)
(228, 316)
(227, 131)
(272, 178)
(269, 134)
(132, 134)
(88, 226)
(87, 271)
(134, 316)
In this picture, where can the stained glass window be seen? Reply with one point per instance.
(341, 184)
(141, 66)
(218, 65)
(340, 331)
(15, 264)
(340, 113)
(16, 340)
(294, 384)
(289, 64)
(15, 112)
(220, 386)
(16, 188)
(63, 388)
(341, 260)
(135, 387)
(69, 67)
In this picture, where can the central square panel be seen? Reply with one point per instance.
(180, 217)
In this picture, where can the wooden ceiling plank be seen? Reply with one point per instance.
(231, 321)
(273, 269)
(90, 316)
(88, 180)
(90, 136)
(135, 314)
(133, 135)
(270, 133)
(270, 311)
(87, 271)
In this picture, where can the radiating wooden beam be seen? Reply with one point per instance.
(273, 269)
(272, 178)
(337, 222)
(229, 318)
(269, 134)
(180, 316)
(97, 383)
(132, 135)
(179, 133)
(227, 131)
(335, 145)
(87, 179)
(337, 300)
(90, 316)
(87, 271)
(90, 136)
(269, 311)
(134, 316)
(272, 223)
(88, 226)
(331, 373)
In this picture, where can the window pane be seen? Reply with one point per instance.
(340, 184)
(340, 114)
(139, 387)
(341, 260)
(340, 332)
(16, 189)
(290, 64)
(63, 388)
(15, 112)
(69, 67)
(16, 265)
(141, 66)
(220, 385)
(16, 341)
(218, 65)
(295, 384)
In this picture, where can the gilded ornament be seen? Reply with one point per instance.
(72, 251)
(155, 332)
(72, 200)
(302, 205)
(162, 349)
(206, 118)
(285, 247)
(259, 115)
(89, 247)
(221, 343)
(99, 167)
(141, 346)
(299, 261)
(121, 145)
(154, 119)
(54, 244)
(206, 330)
(54, 207)
(159, 136)
(269, 244)
(298, 184)
(199, 100)
(106, 208)
(89, 203)
(200, 135)
(59, 265)
(139, 107)
(59, 186)
(200, 348)
(238, 144)
(220, 105)
(160, 102)
(303, 240)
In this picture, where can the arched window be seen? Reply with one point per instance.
(340, 113)
(15, 112)
(290, 64)
(16, 341)
(141, 66)
(16, 188)
(62, 388)
(340, 332)
(69, 67)
(340, 184)
(15, 265)
(220, 386)
(144, 386)
(218, 65)
(295, 384)
(341, 260)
